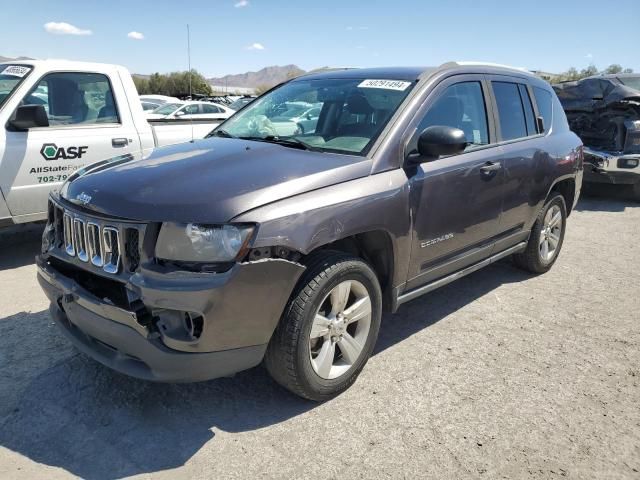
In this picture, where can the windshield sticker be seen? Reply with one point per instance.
(386, 84)
(16, 71)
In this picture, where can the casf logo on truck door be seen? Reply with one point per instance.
(50, 151)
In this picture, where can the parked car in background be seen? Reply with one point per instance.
(604, 110)
(191, 111)
(60, 116)
(159, 99)
(248, 246)
(241, 102)
(149, 106)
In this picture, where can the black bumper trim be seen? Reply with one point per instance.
(121, 348)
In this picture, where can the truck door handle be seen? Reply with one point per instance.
(119, 142)
(490, 167)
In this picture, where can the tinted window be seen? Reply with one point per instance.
(190, 109)
(461, 106)
(543, 101)
(210, 109)
(75, 98)
(528, 110)
(512, 120)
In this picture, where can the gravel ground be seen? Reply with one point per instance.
(500, 375)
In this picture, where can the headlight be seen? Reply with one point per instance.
(202, 243)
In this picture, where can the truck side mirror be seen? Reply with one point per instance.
(439, 140)
(29, 116)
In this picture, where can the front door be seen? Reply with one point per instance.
(85, 126)
(457, 199)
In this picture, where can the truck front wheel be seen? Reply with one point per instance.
(328, 329)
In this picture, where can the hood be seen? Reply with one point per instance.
(208, 181)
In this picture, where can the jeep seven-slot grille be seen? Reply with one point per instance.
(96, 242)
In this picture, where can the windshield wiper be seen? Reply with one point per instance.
(290, 142)
(220, 133)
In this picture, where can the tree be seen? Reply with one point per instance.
(142, 85)
(573, 73)
(172, 84)
(613, 68)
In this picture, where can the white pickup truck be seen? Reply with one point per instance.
(59, 116)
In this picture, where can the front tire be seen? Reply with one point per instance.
(328, 329)
(547, 236)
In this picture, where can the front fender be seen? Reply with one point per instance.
(313, 219)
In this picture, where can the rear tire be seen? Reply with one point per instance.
(328, 329)
(547, 236)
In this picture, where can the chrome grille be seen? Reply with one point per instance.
(94, 242)
(68, 235)
(91, 242)
(111, 239)
(80, 239)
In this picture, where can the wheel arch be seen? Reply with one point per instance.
(377, 249)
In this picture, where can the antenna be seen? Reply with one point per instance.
(189, 56)
(189, 64)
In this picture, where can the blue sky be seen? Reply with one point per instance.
(234, 36)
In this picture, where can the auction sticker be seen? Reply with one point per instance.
(16, 71)
(398, 85)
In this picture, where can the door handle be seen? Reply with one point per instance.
(490, 167)
(119, 142)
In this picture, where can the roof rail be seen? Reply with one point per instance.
(482, 64)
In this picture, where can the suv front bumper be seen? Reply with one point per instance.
(240, 309)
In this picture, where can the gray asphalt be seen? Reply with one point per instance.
(500, 375)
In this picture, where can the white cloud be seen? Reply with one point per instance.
(588, 56)
(242, 4)
(357, 28)
(135, 35)
(256, 46)
(64, 28)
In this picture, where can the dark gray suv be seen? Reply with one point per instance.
(263, 243)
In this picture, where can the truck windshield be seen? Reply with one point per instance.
(343, 115)
(10, 77)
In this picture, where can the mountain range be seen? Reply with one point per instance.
(267, 76)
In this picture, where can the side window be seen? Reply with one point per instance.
(461, 106)
(75, 98)
(210, 109)
(512, 120)
(543, 101)
(528, 110)
(191, 109)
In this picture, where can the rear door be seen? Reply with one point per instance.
(528, 165)
(457, 199)
(89, 121)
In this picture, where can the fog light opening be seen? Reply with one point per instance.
(193, 323)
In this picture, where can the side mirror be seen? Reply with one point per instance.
(29, 116)
(440, 140)
(179, 114)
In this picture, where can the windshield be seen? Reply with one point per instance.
(633, 82)
(168, 109)
(352, 113)
(10, 77)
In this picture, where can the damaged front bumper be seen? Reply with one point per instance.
(174, 326)
(611, 167)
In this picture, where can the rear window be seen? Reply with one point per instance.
(543, 100)
(512, 120)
